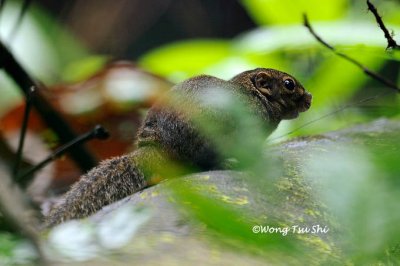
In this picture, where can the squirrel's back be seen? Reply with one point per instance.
(170, 135)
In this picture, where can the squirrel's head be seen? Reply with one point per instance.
(279, 91)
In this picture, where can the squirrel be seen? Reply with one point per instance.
(169, 137)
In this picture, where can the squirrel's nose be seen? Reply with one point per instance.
(307, 99)
(308, 96)
(304, 103)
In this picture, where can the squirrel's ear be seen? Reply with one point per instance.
(261, 81)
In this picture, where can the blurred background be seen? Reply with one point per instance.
(64, 42)
(75, 48)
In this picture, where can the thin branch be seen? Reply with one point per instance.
(82, 157)
(340, 109)
(391, 42)
(8, 156)
(98, 132)
(366, 70)
(28, 105)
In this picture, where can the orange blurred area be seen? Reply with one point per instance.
(115, 97)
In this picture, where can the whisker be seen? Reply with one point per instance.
(330, 114)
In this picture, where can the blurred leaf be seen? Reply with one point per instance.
(233, 124)
(263, 47)
(360, 186)
(389, 10)
(330, 79)
(296, 37)
(181, 60)
(230, 66)
(112, 96)
(84, 68)
(335, 80)
(40, 45)
(228, 223)
(84, 240)
(7, 244)
(393, 55)
(65, 46)
(16, 251)
(287, 12)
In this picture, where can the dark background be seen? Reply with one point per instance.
(127, 28)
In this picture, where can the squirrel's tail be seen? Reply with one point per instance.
(112, 180)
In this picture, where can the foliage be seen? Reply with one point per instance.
(41, 46)
(267, 12)
(362, 203)
(15, 250)
(357, 185)
(292, 49)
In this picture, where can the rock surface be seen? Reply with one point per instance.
(170, 236)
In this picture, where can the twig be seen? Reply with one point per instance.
(367, 71)
(82, 157)
(340, 109)
(8, 156)
(391, 42)
(98, 132)
(28, 105)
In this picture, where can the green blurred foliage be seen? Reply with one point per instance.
(271, 12)
(186, 59)
(15, 250)
(7, 244)
(222, 220)
(41, 46)
(81, 70)
(240, 135)
(361, 183)
(363, 203)
(283, 43)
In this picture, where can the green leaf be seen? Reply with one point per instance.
(296, 37)
(360, 186)
(40, 45)
(7, 244)
(232, 225)
(181, 60)
(84, 68)
(335, 80)
(266, 12)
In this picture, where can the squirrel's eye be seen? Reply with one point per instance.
(289, 84)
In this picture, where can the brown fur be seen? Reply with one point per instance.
(168, 135)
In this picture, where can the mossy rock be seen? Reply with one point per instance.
(171, 234)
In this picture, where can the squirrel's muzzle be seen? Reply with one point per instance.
(305, 102)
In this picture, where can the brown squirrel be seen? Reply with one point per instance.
(169, 137)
